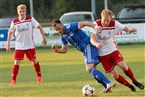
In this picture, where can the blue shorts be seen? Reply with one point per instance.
(91, 55)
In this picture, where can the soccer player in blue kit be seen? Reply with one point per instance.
(73, 34)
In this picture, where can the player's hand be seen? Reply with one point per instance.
(44, 41)
(133, 30)
(99, 29)
(8, 49)
(54, 48)
(99, 45)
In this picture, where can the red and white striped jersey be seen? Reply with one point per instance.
(23, 32)
(106, 36)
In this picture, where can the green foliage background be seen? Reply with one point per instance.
(46, 10)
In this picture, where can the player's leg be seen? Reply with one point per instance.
(97, 75)
(127, 70)
(37, 70)
(102, 82)
(100, 77)
(119, 78)
(15, 70)
(18, 56)
(91, 58)
(31, 55)
(113, 58)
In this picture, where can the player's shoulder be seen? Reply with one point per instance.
(71, 25)
(112, 23)
(28, 17)
(15, 20)
(98, 22)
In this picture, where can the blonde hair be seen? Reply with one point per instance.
(21, 6)
(106, 12)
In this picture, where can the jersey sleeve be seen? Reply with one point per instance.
(119, 25)
(12, 27)
(74, 26)
(64, 42)
(35, 23)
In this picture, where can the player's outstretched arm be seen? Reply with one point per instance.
(44, 41)
(63, 49)
(85, 23)
(8, 42)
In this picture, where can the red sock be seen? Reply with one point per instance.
(123, 81)
(130, 74)
(15, 71)
(37, 69)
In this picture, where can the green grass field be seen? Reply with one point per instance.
(64, 75)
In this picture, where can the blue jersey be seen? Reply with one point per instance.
(80, 40)
(77, 37)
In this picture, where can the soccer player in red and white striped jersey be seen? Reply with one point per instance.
(109, 54)
(22, 29)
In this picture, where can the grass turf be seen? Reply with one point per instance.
(64, 75)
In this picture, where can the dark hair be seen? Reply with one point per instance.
(55, 21)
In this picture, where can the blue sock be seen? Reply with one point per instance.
(99, 76)
(101, 82)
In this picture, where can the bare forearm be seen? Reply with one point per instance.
(85, 23)
(41, 31)
(8, 42)
(93, 39)
(9, 38)
(44, 41)
(90, 24)
(61, 51)
(94, 42)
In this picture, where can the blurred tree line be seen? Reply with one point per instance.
(46, 10)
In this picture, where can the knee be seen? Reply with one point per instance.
(35, 61)
(115, 75)
(88, 68)
(125, 68)
(17, 62)
(123, 65)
